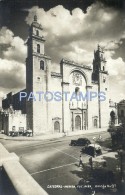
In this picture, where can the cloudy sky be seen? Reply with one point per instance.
(72, 30)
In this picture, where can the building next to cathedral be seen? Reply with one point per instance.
(60, 116)
(121, 112)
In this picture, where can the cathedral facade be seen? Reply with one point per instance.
(64, 115)
(60, 114)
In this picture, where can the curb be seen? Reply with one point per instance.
(5, 137)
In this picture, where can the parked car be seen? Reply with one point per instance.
(27, 133)
(80, 142)
(92, 150)
(13, 133)
(21, 132)
(2, 131)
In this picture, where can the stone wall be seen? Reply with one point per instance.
(12, 121)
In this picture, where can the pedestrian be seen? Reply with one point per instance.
(100, 137)
(80, 161)
(91, 163)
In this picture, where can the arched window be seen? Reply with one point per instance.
(38, 48)
(78, 122)
(41, 65)
(57, 126)
(37, 32)
(95, 123)
(103, 68)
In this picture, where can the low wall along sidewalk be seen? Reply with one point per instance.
(22, 181)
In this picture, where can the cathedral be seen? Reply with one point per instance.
(63, 116)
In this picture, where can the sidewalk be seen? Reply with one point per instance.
(52, 136)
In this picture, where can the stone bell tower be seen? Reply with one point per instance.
(37, 78)
(101, 77)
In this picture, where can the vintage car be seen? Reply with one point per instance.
(80, 142)
(13, 133)
(27, 133)
(2, 131)
(92, 150)
(21, 131)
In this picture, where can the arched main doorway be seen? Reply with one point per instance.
(57, 126)
(78, 122)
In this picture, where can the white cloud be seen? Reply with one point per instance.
(12, 67)
(15, 48)
(116, 67)
(2, 94)
(75, 37)
(16, 51)
(6, 36)
(111, 45)
(12, 74)
(65, 32)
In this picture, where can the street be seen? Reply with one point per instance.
(53, 164)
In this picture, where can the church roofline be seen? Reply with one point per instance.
(35, 37)
(55, 74)
(41, 38)
(12, 93)
(72, 63)
(78, 108)
(41, 55)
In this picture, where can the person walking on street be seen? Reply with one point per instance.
(80, 161)
(91, 163)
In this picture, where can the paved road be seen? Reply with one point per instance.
(52, 163)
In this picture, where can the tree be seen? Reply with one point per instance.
(117, 136)
(112, 115)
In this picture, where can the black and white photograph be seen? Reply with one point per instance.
(62, 97)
